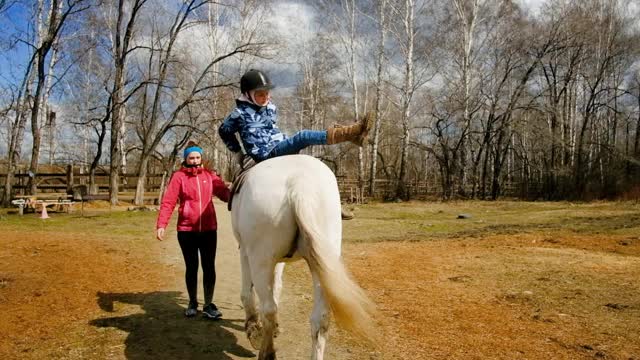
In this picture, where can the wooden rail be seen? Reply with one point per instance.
(67, 181)
(350, 191)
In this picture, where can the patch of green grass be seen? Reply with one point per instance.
(121, 224)
(412, 221)
(415, 221)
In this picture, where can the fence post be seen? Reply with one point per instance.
(70, 178)
(20, 183)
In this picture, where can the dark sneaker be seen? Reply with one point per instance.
(192, 310)
(346, 214)
(211, 311)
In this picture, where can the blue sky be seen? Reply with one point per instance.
(14, 23)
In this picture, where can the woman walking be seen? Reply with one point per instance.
(194, 186)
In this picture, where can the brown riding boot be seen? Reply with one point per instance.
(356, 133)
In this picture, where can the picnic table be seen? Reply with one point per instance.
(25, 203)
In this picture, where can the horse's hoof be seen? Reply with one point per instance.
(255, 339)
(269, 356)
(254, 333)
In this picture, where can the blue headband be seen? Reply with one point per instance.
(191, 149)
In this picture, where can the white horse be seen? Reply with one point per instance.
(289, 208)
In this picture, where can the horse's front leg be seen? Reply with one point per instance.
(252, 325)
(319, 321)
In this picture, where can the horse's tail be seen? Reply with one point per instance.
(351, 307)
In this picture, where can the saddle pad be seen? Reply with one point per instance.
(239, 176)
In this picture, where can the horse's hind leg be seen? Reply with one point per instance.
(252, 325)
(263, 281)
(319, 321)
(277, 290)
(277, 281)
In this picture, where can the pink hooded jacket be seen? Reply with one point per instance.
(194, 187)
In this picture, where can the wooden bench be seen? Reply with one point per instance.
(26, 203)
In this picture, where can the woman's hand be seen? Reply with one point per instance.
(160, 234)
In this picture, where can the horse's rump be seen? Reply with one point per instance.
(349, 304)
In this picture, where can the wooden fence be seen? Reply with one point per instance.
(64, 182)
(384, 189)
(424, 190)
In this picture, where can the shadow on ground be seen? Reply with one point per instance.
(161, 331)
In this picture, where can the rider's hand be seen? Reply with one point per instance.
(160, 234)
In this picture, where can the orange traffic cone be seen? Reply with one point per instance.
(44, 214)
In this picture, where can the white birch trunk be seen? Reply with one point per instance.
(379, 80)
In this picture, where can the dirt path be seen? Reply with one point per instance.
(294, 341)
(100, 286)
(97, 287)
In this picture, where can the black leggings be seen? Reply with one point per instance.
(190, 243)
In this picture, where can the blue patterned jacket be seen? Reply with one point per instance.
(256, 126)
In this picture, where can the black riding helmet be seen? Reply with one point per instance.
(255, 80)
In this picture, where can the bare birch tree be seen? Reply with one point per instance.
(468, 17)
(121, 49)
(154, 128)
(33, 90)
(406, 41)
(50, 32)
(351, 11)
(379, 84)
(604, 51)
